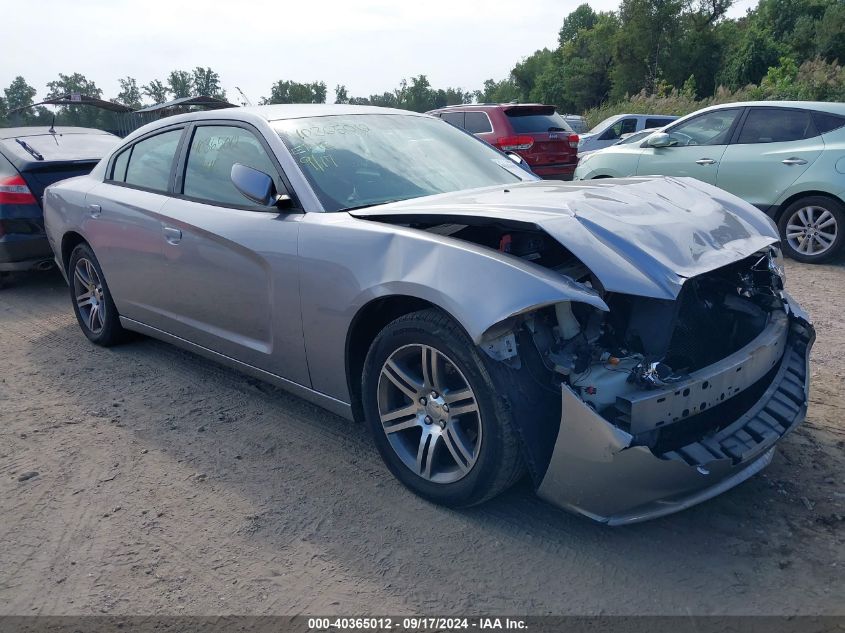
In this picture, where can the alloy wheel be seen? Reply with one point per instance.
(89, 295)
(811, 230)
(429, 413)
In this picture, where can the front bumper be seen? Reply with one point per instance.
(596, 471)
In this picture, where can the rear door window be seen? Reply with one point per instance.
(208, 171)
(776, 125)
(455, 118)
(826, 122)
(477, 123)
(151, 161)
(650, 123)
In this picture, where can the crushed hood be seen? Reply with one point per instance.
(642, 236)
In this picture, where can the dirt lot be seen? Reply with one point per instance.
(167, 484)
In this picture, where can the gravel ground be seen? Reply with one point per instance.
(168, 485)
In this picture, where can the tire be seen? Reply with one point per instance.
(811, 223)
(468, 456)
(86, 278)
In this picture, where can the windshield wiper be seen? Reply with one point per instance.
(557, 129)
(37, 155)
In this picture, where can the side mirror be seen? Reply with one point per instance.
(659, 139)
(519, 160)
(257, 186)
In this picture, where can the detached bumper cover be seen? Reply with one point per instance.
(594, 469)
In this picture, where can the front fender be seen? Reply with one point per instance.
(358, 261)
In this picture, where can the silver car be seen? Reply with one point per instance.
(627, 344)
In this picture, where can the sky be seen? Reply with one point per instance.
(368, 45)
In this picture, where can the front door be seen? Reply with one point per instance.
(232, 282)
(697, 147)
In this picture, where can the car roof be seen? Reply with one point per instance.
(41, 130)
(268, 114)
(822, 106)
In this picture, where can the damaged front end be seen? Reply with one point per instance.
(672, 363)
(665, 404)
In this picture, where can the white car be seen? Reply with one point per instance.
(613, 128)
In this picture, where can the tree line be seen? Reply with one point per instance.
(664, 55)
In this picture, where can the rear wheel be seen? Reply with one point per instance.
(812, 229)
(92, 301)
(435, 413)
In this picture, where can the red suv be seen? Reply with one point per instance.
(534, 131)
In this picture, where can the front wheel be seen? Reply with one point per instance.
(812, 229)
(92, 302)
(435, 413)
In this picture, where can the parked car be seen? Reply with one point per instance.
(627, 343)
(536, 132)
(785, 158)
(31, 158)
(615, 127)
(577, 123)
(630, 137)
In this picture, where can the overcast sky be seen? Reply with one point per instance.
(368, 45)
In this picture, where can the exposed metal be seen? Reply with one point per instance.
(597, 471)
(710, 386)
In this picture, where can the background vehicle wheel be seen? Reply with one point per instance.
(812, 229)
(92, 302)
(437, 418)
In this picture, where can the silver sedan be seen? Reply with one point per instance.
(626, 344)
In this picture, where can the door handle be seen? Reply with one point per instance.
(94, 210)
(794, 161)
(705, 161)
(172, 235)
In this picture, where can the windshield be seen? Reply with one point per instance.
(606, 123)
(365, 159)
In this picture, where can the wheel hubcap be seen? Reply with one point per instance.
(90, 299)
(429, 413)
(811, 230)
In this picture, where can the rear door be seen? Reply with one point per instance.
(548, 137)
(232, 268)
(123, 223)
(773, 147)
(698, 145)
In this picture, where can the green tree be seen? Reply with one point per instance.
(156, 91)
(525, 74)
(130, 94)
(340, 95)
(493, 91)
(581, 19)
(83, 115)
(20, 94)
(644, 43)
(206, 83)
(293, 92)
(180, 83)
